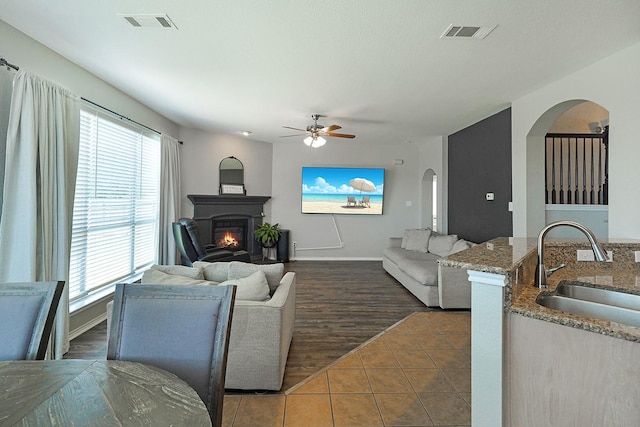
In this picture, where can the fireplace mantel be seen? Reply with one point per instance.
(209, 208)
(200, 199)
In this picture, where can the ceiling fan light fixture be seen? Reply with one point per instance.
(314, 141)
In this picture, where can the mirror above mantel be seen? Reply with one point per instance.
(231, 176)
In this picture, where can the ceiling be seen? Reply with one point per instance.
(378, 68)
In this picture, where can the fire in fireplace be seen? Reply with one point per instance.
(230, 234)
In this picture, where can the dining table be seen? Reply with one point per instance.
(95, 393)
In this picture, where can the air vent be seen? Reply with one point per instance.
(466, 32)
(149, 21)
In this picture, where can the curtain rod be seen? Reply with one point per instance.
(124, 117)
(4, 63)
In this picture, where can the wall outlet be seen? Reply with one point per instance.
(490, 196)
(585, 255)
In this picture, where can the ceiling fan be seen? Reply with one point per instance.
(316, 132)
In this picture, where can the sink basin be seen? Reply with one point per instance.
(599, 295)
(598, 303)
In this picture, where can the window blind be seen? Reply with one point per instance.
(115, 213)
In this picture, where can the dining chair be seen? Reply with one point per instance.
(27, 311)
(183, 329)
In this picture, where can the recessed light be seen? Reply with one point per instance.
(245, 132)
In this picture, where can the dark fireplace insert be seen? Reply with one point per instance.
(230, 234)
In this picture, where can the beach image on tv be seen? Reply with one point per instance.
(332, 190)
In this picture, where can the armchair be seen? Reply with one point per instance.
(188, 242)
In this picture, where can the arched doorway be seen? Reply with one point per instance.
(571, 119)
(429, 208)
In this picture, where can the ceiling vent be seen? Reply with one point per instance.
(468, 32)
(149, 21)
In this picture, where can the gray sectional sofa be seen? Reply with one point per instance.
(413, 261)
(263, 316)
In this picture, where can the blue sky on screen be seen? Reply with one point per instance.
(317, 180)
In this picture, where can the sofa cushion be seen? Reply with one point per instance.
(459, 246)
(394, 254)
(180, 270)
(215, 271)
(423, 271)
(157, 277)
(418, 240)
(251, 288)
(273, 272)
(442, 245)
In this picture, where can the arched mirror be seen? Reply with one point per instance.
(231, 176)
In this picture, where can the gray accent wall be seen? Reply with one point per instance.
(480, 163)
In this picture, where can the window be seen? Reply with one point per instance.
(115, 215)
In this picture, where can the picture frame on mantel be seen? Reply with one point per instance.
(232, 189)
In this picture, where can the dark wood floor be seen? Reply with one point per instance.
(340, 305)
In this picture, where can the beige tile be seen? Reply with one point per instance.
(466, 397)
(388, 380)
(317, 384)
(447, 408)
(428, 380)
(445, 359)
(229, 410)
(431, 340)
(460, 378)
(417, 325)
(376, 343)
(260, 410)
(413, 359)
(401, 341)
(459, 340)
(308, 410)
(348, 381)
(402, 410)
(348, 362)
(355, 410)
(378, 358)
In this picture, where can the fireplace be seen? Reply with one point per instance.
(235, 216)
(230, 234)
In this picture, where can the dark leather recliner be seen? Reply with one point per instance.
(188, 242)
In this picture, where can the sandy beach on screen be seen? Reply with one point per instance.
(340, 207)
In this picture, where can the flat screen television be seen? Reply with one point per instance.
(336, 190)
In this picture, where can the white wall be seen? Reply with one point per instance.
(23, 51)
(612, 83)
(364, 236)
(200, 156)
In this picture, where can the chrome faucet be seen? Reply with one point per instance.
(542, 273)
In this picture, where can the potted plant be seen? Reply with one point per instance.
(267, 234)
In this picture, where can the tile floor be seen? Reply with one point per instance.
(416, 373)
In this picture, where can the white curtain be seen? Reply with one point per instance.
(169, 198)
(39, 186)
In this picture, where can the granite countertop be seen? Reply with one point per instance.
(516, 258)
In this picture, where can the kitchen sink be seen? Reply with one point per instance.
(604, 304)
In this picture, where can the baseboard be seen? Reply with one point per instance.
(85, 327)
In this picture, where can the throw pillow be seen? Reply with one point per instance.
(459, 246)
(251, 288)
(442, 245)
(215, 271)
(418, 240)
(273, 272)
(157, 277)
(180, 270)
(408, 232)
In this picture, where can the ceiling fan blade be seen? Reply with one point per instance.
(331, 128)
(297, 134)
(289, 127)
(339, 135)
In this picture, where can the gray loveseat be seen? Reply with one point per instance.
(263, 316)
(413, 261)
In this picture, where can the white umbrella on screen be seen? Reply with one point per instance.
(362, 184)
